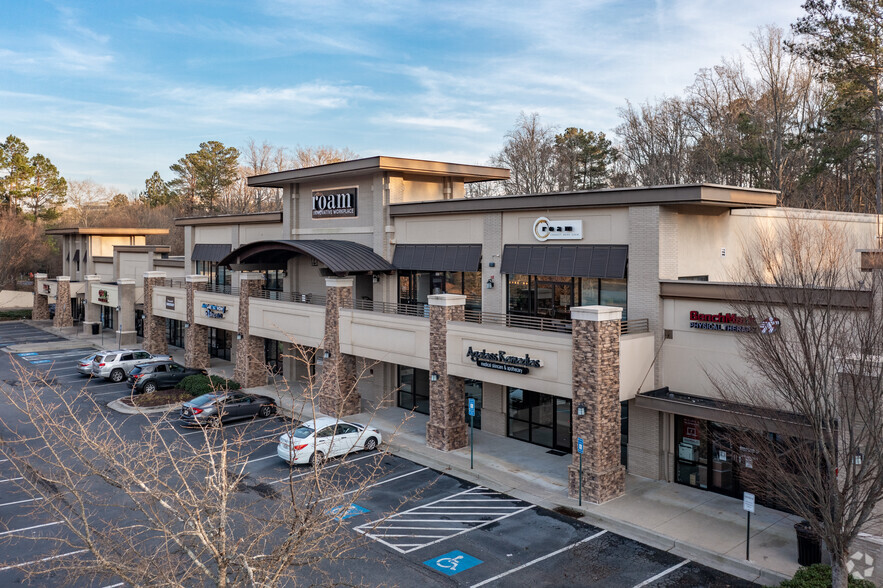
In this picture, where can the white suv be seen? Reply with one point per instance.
(116, 365)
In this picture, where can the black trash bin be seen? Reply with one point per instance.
(809, 548)
(95, 328)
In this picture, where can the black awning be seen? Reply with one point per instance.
(578, 261)
(438, 258)
(210, 251)
(341, 257)
(76, 256)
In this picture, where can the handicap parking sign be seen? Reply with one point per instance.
(347, 512)
(452, 562)
(472, 407)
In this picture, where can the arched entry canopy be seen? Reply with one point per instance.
(340, 257)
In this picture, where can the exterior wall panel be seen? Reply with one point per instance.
(230, 320)
(384, 337)
(302, 324)
(179, 312)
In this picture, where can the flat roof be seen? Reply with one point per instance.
(469, 173)
(142, 248)
(711, 195)
(107, 232)
(231, 219)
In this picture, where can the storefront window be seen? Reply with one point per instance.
(273, 352)
(413, 389)
(107, 317)
(415, 287)
(615, 293)
(541, 419)
(219, 343)
(520, 299)
(553, 296)
(274, 280)
(217, 274)
(175, 332)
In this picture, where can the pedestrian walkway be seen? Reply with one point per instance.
(702, 526)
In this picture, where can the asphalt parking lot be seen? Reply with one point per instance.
(417, 525)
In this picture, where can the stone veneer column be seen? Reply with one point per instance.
(126, 333)
(40, 310)
(446, 429)
(63, 316)
(93, 311)
(195, 336)
(338, 394)
(154, 326)
(596, 331)
(251, 361)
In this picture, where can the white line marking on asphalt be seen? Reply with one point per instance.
(20, 501)
(27, 563)
(334, 465)
(117, 585)
(436, 512)
(258, 459)
(201, 432)
(537, 560)
(2, 460)
(30, 528)
(11, 480)
(381, 483)
(662, 573)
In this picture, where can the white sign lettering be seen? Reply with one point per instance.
(545, 229)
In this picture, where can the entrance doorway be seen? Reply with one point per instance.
(554, 299)
(541, 419)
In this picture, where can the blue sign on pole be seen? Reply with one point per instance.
(453, 562)
(472, 407)
(579, 445)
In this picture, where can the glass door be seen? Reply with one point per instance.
(554, 298)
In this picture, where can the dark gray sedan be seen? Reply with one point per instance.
(213, 409)
(148, 377)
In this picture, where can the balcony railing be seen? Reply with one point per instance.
(418, 310)
(300, 297)
(222, 289)
(173, 283)
(538, 323)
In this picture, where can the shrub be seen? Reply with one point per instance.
(819, 576)
(199, 384)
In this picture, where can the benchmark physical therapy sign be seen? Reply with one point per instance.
(513, 364)
(338, 203)
(732, 322)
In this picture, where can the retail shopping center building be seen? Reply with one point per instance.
(584, 314)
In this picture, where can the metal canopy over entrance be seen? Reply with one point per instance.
(438, 258)
(580, 261)
(341, 257)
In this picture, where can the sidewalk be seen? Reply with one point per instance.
(702, 526)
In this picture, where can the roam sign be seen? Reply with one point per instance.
(335, 203)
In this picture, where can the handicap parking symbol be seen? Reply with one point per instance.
(347, 512)
(453, 562)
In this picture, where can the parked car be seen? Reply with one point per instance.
(213, 409)
(84, 365)
(149, 377)
(115, 365)
(316, 440)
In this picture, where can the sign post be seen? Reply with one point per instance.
(471, 432)
(579, 449)
(748, 505)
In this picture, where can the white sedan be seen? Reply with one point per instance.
(316, 440)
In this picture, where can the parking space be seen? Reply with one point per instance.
(17, 333)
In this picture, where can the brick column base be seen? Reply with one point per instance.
(154, 339)
(40, 311)
(598, 487)
(446, 429)
(63, 317)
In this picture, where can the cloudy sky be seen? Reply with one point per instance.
(113, 90)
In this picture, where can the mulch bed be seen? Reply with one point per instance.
(158, 398)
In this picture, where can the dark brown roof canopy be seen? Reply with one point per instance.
(580, 261)
(438, 258)
(341, 257)
(210, 251)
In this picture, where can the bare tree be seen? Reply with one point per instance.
(529, 154)
(812, 436)
(84, 199)
(655, 143)
(155, 508)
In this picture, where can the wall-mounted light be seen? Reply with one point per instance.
(581, 410)
(492, 264)
(239, 336)
(326, 355)
(186, 325)
(433, 377)
(314, 262)
(490, 283)
(119, 308)
(375, 279)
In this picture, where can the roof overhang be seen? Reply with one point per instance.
(231, 219)
(340, 257)
(467, 173)
(107, 232)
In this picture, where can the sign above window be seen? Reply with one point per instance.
(338, 203)
(501, 361)
(545, 229)
(170, 302)
(732, 322)
(214, 310)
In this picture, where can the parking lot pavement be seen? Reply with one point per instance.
(17, 333)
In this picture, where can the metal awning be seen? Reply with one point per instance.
(438, 258)
(210, 251)
(76, 256)
(579, 261)
(341, 257)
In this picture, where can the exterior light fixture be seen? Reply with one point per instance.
(119, 308)
(326, 355)
(375, 279)
(186, 325)
(581, 410)
(490, 283)
(433, 377)
(239, 336)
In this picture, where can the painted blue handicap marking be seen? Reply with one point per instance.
(41, 361)
(453, 562)
(350, 511)
(27, 354)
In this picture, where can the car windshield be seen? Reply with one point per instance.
(135, 371)
(302, 432)
(204, 399)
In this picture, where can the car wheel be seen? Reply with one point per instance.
(266, 411)
(117, 376)
(371, 444)
(318, 458)
(149, 388)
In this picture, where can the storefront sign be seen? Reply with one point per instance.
(170, 302)
(545, 229)
(46, 289)
(500, 361)
(335, 203)
(732, 322)
(102, 296)
(214, 310)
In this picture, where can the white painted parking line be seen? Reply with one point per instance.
(447, 521)
(117, 585)
(28, 563)
(11, 480)
(202, 432)
(327, 466)
(20, 501)
(30, 528)
(662, 573)
(539, 559)
(381, 483)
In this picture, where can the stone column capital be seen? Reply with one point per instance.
(447, 300)
(63, 279)
(154, 274)
(92, 278)
(244, 276)
(125, 282)
(196, 279)
(596, 313)
(346, 282)
(41, 276)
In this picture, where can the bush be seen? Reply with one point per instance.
(14, 315)
(198, 385)
(819, 576)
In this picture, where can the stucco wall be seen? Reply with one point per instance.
(160, 293)
(385, 337)
(301, 324)
(230, 320)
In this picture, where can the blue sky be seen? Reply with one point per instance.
(115, 90)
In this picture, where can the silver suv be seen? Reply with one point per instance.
(116, 365)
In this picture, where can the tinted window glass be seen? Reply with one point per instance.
(108, 358)
(142, 355)
(174, 367)
(159, 368)
(126, 357)
(302, 432)
(346, 429)
(204, 399)
(326, 432)
(137, 370)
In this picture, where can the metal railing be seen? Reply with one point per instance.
(633, 326)
(222, 289)
(418, 310)
(551, 325)
(299, 297)
(173, 283)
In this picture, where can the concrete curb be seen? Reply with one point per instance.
(118, 406)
